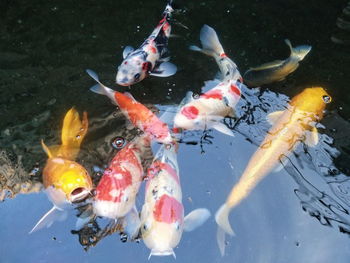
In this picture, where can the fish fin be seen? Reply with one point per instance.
(195, 48)
(100, 88)
(311, 137)
(195, 219)
(164, 69)
(274, 116)
(221, 218)
(267, 65)
(209, 84)
(127, 50)
(167, 252)
(220, 239)
(73, 132)
(46, 149)
(221, 128)
(51, 216)
(210, 41)
(298, 52)
(132, 223)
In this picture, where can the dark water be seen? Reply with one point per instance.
(299, 214)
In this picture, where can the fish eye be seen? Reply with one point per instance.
(145, 227)
(177, 225)
(327, 99)
(118, 142)
(137, 76)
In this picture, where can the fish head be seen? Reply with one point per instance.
(189, 117)
(312, 100)
(69, 177)
(162, 232)
(132, 70)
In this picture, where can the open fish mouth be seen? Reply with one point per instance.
(79, 194)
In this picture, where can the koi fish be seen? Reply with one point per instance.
(211, 107)
(149, 58)
(138, 114)
(291, 126)
(276, 70)
(119, 185)
(65, 180)
(162, 215)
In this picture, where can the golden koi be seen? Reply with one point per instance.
(291, 126)
(65, 180)
(276, 70)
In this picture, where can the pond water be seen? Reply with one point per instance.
(297, 214)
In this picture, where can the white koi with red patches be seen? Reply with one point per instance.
(162, 215)
(148, 59)
(117, 189)
(210, 107)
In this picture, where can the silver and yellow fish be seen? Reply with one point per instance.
(276, 70)
(291, 126)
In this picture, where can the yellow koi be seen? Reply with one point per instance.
(65, 180)
(291, 126)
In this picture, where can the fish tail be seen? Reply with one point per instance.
(221, 218)
(298, 52)
(169, 9)
(101, 89)
(210, 42)
(73, 133)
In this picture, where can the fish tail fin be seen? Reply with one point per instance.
(169, 9)
(221, 218)
(101, 89)
(210, 42)
(168, 252)
(298, 52)
(73, 132)
(51, 216)
(220, 239)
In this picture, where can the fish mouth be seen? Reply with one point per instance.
(79, 194)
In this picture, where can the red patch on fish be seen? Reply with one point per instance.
(191, 112)
(116, 177)
(168, 210)
(165, 27)
(235, 90)
(213, 94)
(113, 180)
(153, 49)
(223, 55)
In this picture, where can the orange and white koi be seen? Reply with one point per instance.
(149, 58)
(138, 114)
(211, 107)
(120, 183)
(65, 180)
(162, 215)
(291, 126)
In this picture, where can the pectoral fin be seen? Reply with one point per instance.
(127, 50)
(165, 69)
(195, 219)
(274, 116)
(311, 137)
(131, 224)
(220, 127)
(54, 214)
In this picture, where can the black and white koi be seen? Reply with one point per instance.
(150, 58)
